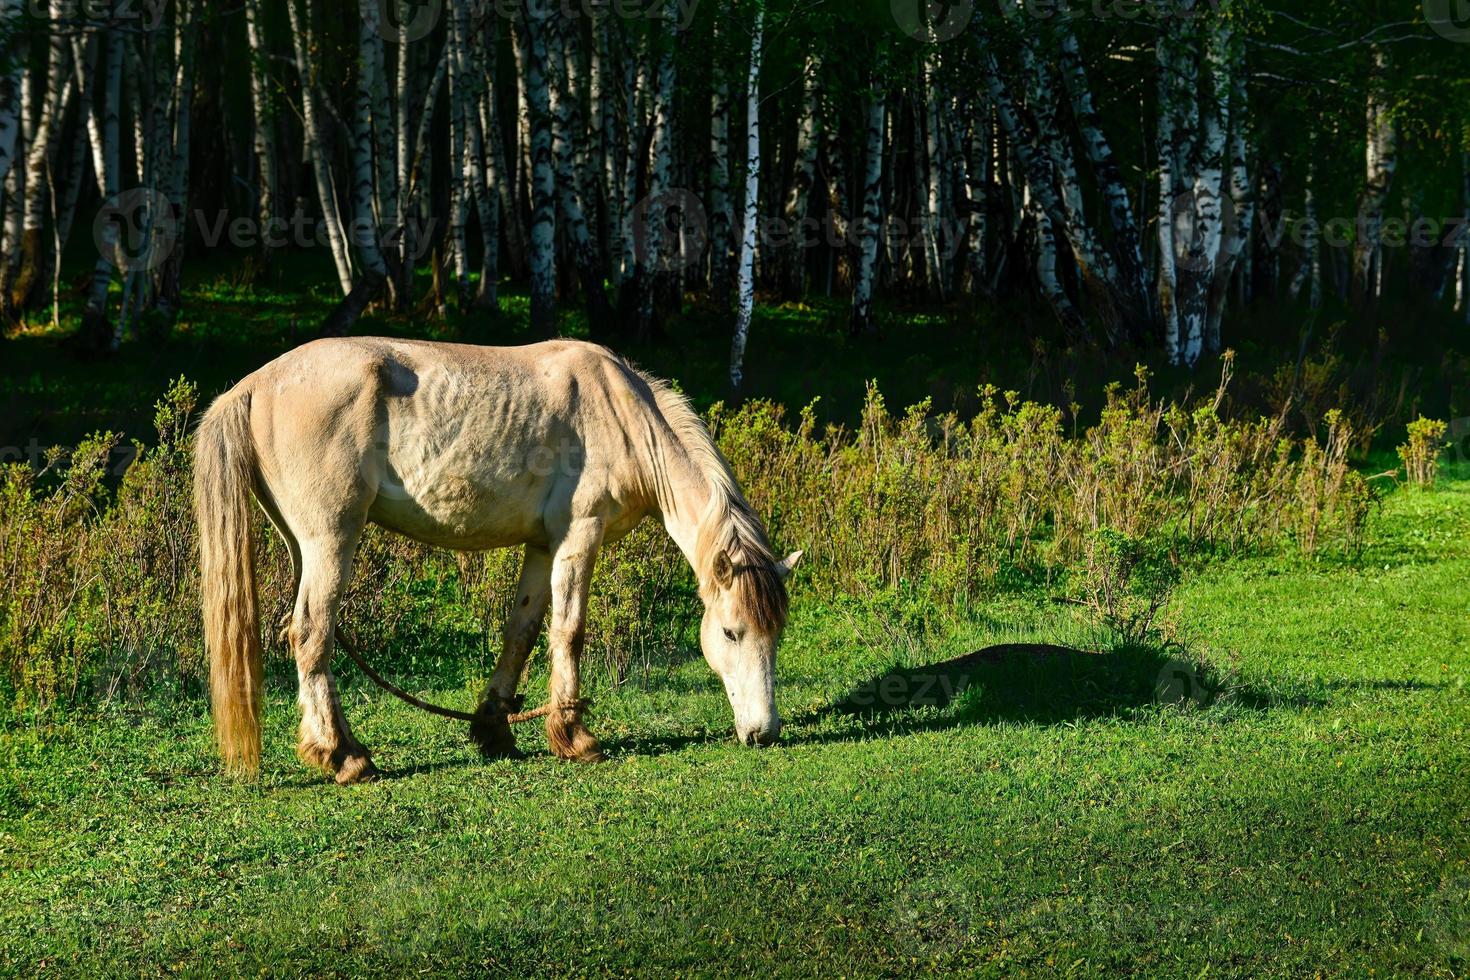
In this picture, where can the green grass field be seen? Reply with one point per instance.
(1058, 816)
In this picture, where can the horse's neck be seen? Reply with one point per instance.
(681, 493)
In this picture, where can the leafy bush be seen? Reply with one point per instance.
(1127, 584)
(1420, 455)
(103, 581)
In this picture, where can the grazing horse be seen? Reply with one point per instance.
(559, 447)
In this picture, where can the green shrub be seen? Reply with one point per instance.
(1420, 455)
(1127, 583)
(103, 593)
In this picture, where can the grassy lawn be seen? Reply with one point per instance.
(1055, 816)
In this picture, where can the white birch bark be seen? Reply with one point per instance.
(803, 177)
(870, 224)
(1234, 235)
(636, 85)
(614, 150)
(317, 144)
(1462, 279)
(11, 54)
(263, 124)
(41, 160)
(1381, 158)
(650, 259)
(720, 215)
(532, 24)
(1039, 182)
(935, 164)
(745, 303)
(1168, 98)
(1309, 273)
(459, 190)
(364, 141)
(1127, 239)
(567, 134)
(94, 315)
(977, 184)
(487, 192)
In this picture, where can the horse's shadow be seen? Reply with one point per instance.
(1029, 683)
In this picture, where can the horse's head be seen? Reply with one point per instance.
(744, 614)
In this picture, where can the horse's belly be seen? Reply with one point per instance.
(463, 513)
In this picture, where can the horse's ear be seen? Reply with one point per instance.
(724, 572)
(787, 565)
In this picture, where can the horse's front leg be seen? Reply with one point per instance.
(571, 573)
(490, 730)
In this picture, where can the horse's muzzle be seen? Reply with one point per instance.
(759, 737)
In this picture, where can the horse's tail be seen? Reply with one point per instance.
(224, 474)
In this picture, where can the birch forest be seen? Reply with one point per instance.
(1124, 176)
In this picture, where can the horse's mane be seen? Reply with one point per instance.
(728, 524)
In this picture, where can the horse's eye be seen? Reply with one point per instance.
(730, 635)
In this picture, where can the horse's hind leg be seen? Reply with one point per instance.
(490, 730)
(326, 739)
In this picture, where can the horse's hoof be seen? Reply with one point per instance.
(491, 732)
(357, 769)
(492, 751)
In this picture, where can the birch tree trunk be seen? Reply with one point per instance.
(487, 193)
(721, 219)
(365, 233)
(459, 190)
(1309, 273)
(839, 211)
(614, 150)
(1040, 193)
(1138, 309)
(264, 124)
(11, 55)
(317, 144)
(533, 26)
(870, 225)
(751, 218)
(803, 177)
(14, 194)
(567, 133)
(655, 220)
(94, 315)
(1194, 211)
(935, 164)
(1234, 234)
(1381, 162)
(1462, 277)
(40, 161)
(977, 183)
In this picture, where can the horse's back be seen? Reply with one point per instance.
(458, 445)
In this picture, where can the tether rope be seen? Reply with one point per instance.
(434, 709)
